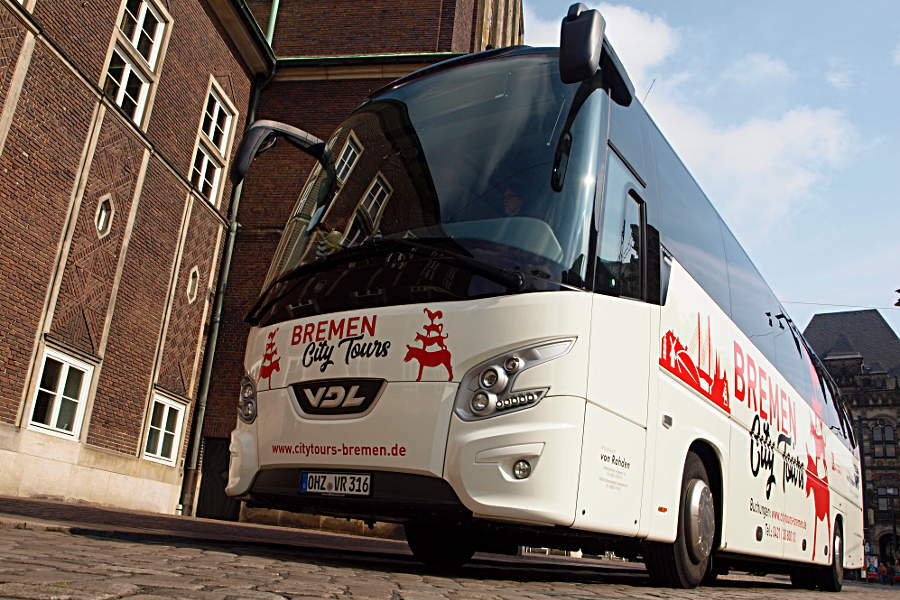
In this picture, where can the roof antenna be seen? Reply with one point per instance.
(648, 91)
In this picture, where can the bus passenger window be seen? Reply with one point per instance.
(620, 268)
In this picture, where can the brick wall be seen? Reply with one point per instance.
(87, 282)
(335, 27)
(120, 403)
(39, 175)
(261, 10)
(179, 360)
(81, 29)
(195, 51)
(38, 170)
(11, 36)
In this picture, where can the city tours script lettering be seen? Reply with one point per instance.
(347, 335)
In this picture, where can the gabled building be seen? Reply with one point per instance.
(862, 354)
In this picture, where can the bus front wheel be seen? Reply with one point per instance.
(831, 578)
(685, 562)
(440, 547)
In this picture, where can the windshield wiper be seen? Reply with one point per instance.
(514, 281)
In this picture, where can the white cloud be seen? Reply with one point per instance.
(758, 68)
(897, 54)
(540, 32)
(642, 41)
(761, 169)
(839, 79)
(756, 169)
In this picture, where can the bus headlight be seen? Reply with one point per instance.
(493, 379)
(247, 401)
(487, 388)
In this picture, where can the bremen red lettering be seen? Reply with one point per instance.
(762, 393)
(324, 331)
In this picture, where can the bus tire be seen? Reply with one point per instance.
(831, 578)
(439, 547)
(685, 562)
(803, 578)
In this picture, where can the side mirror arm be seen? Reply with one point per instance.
(261, 136)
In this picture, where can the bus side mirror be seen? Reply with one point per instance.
(580, 44)
(263, 134)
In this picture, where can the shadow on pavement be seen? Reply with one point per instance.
(483, 567)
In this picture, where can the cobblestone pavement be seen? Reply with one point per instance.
(65, 566)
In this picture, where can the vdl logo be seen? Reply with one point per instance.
(337, 396)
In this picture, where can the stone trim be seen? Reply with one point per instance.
(62, 253)
(16, 84)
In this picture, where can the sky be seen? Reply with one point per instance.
(788, 116)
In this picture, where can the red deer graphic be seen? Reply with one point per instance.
(435, 358)
(439, 357)
(271, 361)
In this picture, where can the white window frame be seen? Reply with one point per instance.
(363, 209)
(210, 161)
(103, 232)
(219, 107)
(156, 44)
(381, 182)
(82, 401)
(130, 67)
(193, 284)
(341, 162)
(146, 69)
(214, 156)
(181, 410)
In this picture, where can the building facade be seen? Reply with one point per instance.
(118, 123)
(862, 354)
(330, 57)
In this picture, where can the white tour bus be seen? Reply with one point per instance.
(503, 313)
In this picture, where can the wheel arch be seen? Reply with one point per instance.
(712, 461)
(838, 523)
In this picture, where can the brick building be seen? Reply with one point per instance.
(118, 121)
(862, 353)
(319, 79)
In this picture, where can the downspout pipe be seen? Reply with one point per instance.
(192, 474)
(273, 18)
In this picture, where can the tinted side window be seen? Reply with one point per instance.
(690, 226)
(832, 413)
(621, 254)
(791, 357)
(751, 299)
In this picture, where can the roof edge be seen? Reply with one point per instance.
(237, 20)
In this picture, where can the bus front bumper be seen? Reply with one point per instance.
(478, 477)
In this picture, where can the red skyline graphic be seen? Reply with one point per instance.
(440, 356)
(271, 360)
(675, 357)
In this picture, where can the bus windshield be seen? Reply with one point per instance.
(489, 161)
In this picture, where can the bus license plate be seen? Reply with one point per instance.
(345, 484)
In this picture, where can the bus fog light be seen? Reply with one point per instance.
(480, 402)
(522, 469)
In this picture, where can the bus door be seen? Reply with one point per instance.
(622, 336)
